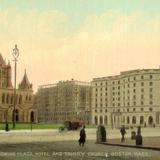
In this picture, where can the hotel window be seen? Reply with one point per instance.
(101, 110)
(101, 104)
(113, 88)
(134, 97)
(106, 88)
(119, 104)
(141, 102)
(151, 76)
(128, 103)
(113, 82)
(118, 87)
(95, 110)
(151, 89)
(134, 78)
(134, 90)
(142, 84)
(106, 104)
(113, 104)
(142, 96)
(118, 82)
(101, 84)
(101, 89)
(106, 94)
(142, 90)
(142, 77)
(127, 109)
(118, 93)
(113, 93)
(151, 96)
(134, 109)
(113, 99)
(150, 102)
(150, 109)
(128, 91)
(106, 83)
(101, 94)
(134, 84)
(105, 99)
(106, 110)
(134, 103)
(150, 83)
(96, 105)
(118, 98)
(101, 99)
(96, 89)
(96, 84)
(128, 85)
(142, 109)
(128, 79)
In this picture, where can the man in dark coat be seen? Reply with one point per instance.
(123, 132)
(82, 138)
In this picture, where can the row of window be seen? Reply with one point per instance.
(113, 88)
(121, 104)
(126, 120)
(119, 98)
(9, 98)
(128, 110)
(127, 80)
(119, 93)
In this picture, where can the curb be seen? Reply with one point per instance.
(131, 146)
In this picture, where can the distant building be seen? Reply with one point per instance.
(64, 101)
(131, 98)
(24, 109)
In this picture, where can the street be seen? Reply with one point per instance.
(69, 150)
(54, 145)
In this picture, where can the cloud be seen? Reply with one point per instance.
(103, 45)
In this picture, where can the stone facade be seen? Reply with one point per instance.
(131, 99)
(24, 108)
(64, 101)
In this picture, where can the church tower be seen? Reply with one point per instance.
(5, 74)
(25, 84)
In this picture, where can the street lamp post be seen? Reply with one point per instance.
(15, 54)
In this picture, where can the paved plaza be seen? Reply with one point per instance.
(49, 135)
(55, 145)
(70, 150)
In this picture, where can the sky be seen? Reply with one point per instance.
(79, 39)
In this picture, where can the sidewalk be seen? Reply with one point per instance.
(49, 135)
(148, 143)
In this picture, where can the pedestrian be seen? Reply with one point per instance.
(139, 139)
(99, 135)
(103, 132)
(123, 132)
(82, 138)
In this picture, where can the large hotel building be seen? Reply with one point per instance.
(64, 101)
(131, 98)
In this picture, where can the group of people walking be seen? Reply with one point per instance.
(101, 135)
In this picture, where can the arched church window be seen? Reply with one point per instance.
(7, 99)
(3, 98)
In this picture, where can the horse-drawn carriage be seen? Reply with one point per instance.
(71, 125)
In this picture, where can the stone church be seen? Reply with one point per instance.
(24, 107)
